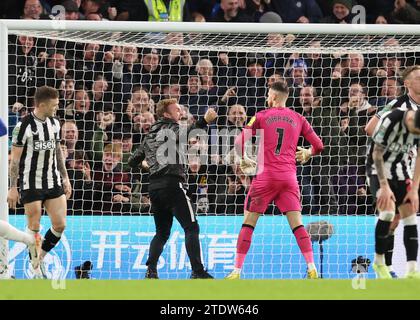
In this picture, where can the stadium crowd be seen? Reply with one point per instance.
(108, 94)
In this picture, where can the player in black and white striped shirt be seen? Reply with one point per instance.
(394, 137)
(38, 162)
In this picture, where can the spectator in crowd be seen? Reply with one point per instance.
(160, 10)
(126, 141)
(100, 93)
(66, 96)
(256, 8)
(230, 12)
(297, 78)
(112, 187)
(341, 12)
(72, 10)
(104, 125)
(150, 73)
(201, 186)
(22, 73)
(141, 125)
(81, 179)
(190, 91)
(405, 13)
(32, 10)
(297, 11)
(125, 74)
(391, 66)
(139, 103)
(86, 66)
(70, 136)
(54, 72)
(172, 90)
(390, 90)
(317, 193)
(251, 87)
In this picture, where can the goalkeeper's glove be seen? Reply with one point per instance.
(303, 155)
(248, 167)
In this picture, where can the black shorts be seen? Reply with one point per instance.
(171, 202)
(28, 196)
(398, 187)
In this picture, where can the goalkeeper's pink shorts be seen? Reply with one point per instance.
(284, 193)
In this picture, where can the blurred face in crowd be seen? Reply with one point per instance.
(340, 11)
(32, 9)
(27, 43)
(205, 68)
(81, 101)
(150, 61)
(57, 61)
(143, 122)
(356, 90)
(413, 83)
(237, 115)
(99, 86)
(298, 75)
(90, 6)
(172, 91)
(118, 52)
(275, 40)
(94, 16)
(315, 55)
(72, 15)
(184, 116)
(392, 64)
(194, 164)
(193, 84)
(127, 144)
(356, 62)
(110, 160)
(141, 101)
(70, 133)
(91, 50)
(273, 78)
(381, 20)
(306, 98)
(68, 89)
(173, 112)
(255, 70)
(230, 7)
(390, 88)
(174, 38)
(129, 54)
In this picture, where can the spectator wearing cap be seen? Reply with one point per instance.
(158, 10)
(230, 12)
(72, 10)
(150, 72)
(297, 11)
(297, 78)
(341, 12)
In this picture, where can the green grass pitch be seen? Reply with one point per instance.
(210, 289)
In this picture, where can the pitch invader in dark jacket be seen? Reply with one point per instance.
(168, 172)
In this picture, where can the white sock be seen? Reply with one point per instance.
(379, 259)
(237, 270)
(390, 268)
(411, 266)
(9, 232)
(311, 266)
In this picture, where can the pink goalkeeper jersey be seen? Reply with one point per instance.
(281, 129)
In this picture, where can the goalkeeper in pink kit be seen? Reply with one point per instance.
(276, 172)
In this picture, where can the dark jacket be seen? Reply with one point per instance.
(169, 167)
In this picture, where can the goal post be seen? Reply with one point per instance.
(117, 242)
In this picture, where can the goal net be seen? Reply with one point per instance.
(110, 77)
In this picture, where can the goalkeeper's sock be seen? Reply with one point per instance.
(243, 245)
(305, 245)
(389, 249)
(50, 240)
(9, 232)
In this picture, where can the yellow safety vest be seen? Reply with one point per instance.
(158, 12)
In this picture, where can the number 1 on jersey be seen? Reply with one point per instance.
(279, 140)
